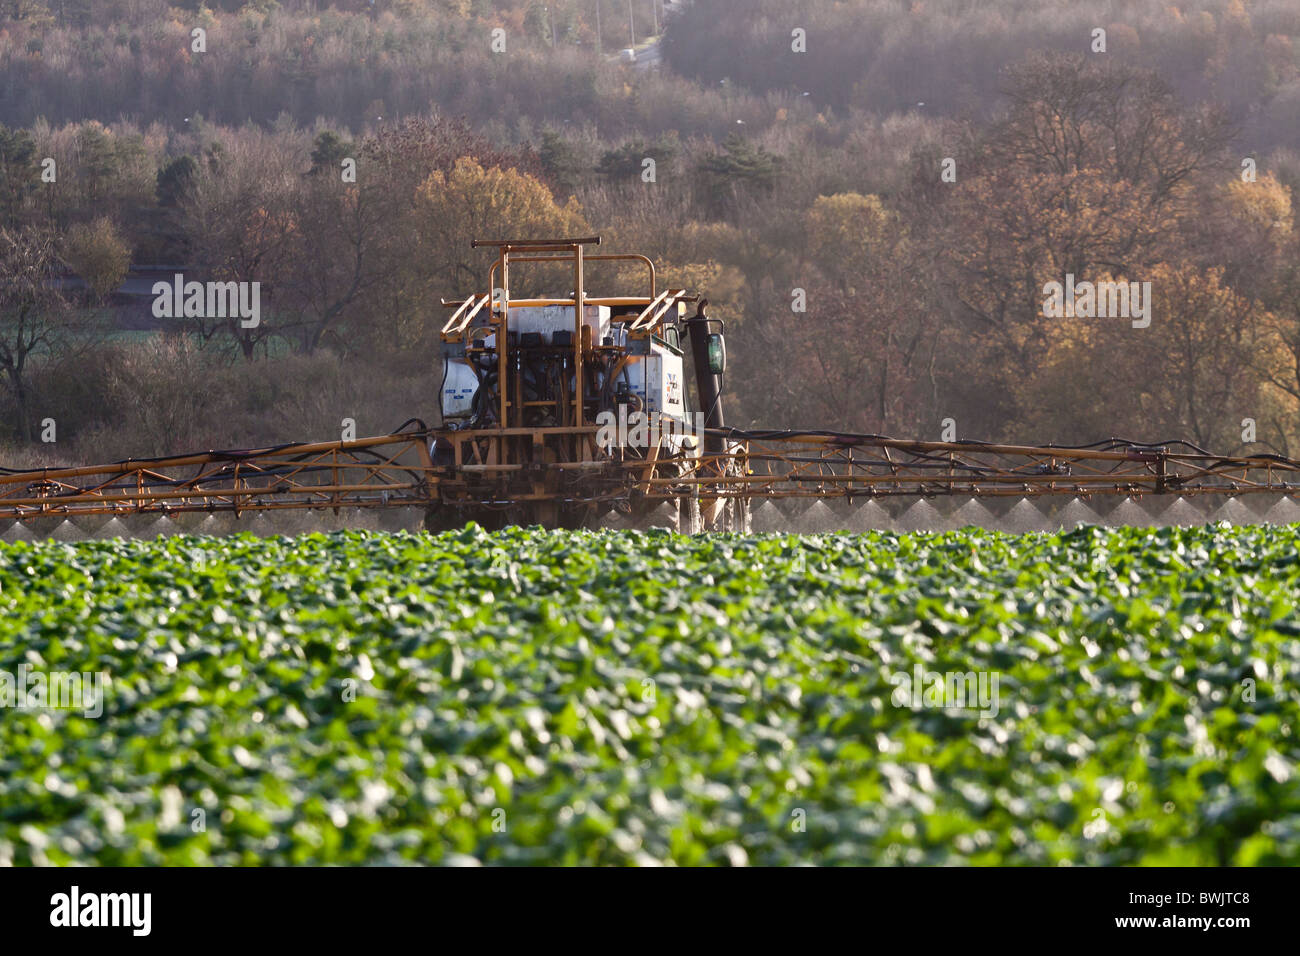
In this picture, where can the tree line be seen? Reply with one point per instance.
(879, 271)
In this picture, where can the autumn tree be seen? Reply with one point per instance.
(1246, 228)
(862, 338)
(1092, 169)
(849, 236)
(1194, 373)
(473, 202)
(1280, 356)
(1200, 371)
(96, 252)
(1095, 171)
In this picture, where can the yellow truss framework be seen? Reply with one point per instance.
(397, 471)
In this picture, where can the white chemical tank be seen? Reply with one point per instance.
(458, 389)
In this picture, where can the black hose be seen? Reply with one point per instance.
(231, 454)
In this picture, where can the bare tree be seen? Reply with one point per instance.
(342, 253)
(35, 319)
(240, 220)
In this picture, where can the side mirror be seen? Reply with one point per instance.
(717, 353)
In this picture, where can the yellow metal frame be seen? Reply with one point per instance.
(653, 307)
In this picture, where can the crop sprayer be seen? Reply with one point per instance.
(573, 411)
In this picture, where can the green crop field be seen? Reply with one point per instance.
(619, 697)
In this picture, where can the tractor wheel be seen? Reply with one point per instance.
(575, 517)
(733, 516)
(740, 516)
(439, 518)
(730, 514)
(689, 520)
